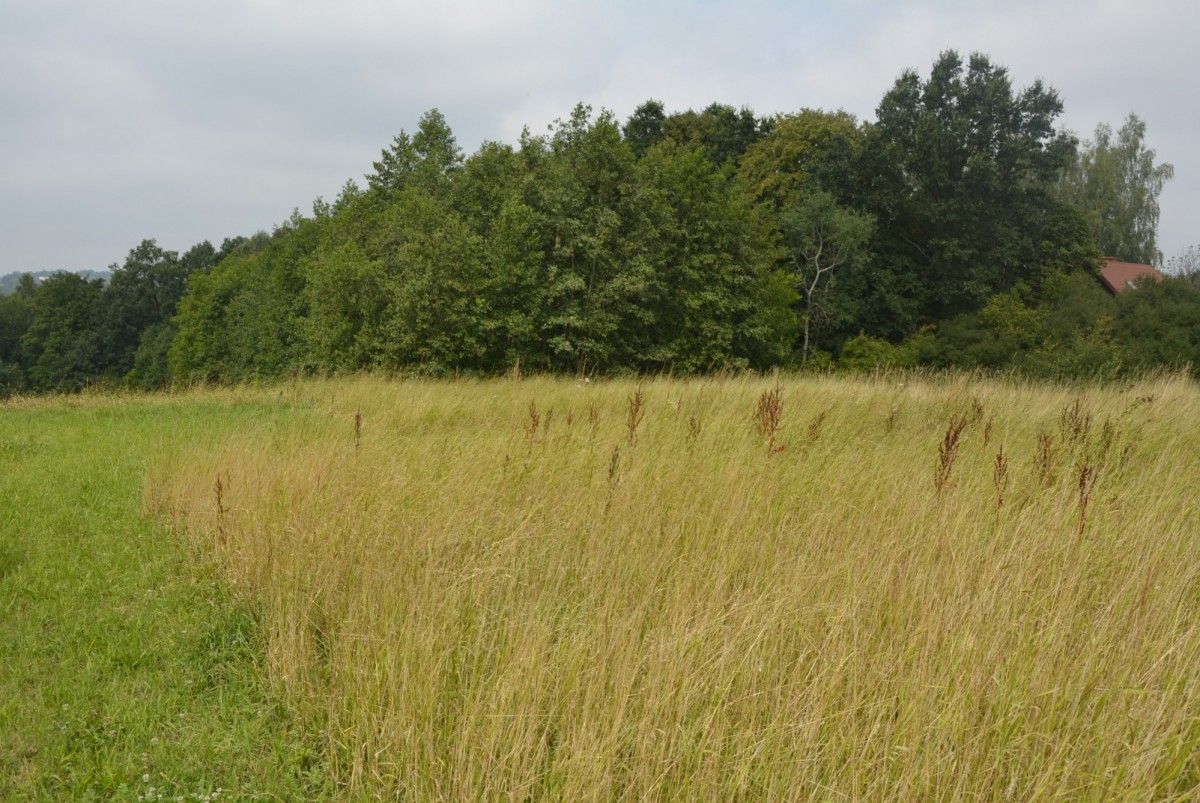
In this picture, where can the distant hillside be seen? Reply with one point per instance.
(8, 282)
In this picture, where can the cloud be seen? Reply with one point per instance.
(193, 120)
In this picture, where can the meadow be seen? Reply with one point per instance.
(128, 671)
(723, 588)
(734, 587)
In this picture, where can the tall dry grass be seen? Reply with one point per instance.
(725, 588)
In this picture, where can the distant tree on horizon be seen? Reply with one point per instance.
(1115, 183)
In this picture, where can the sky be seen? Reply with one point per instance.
(186, 121)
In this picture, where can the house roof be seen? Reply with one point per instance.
(1119, 276)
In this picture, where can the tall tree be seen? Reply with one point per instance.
(396, 165)
(725, 133)
(644, 127)
(1116, 184)
(714, 297)
(427, 159)
(200, 256)
(62, 347)
(16, 315)
(149, 367)
(963, 169)
(243, 318)
(582, 200)
(141, 293)
(809, 150)
(346, 305)
(495, 196)
(436, 317)
(823, 239)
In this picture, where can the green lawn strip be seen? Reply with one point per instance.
(126, 668)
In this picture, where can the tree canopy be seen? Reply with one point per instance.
(1116, 183)
(962, 169)
(960, 227)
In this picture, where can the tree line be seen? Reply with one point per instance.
(960, 228)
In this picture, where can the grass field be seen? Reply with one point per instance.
(127, 671)
(725, 588)
(543, 588)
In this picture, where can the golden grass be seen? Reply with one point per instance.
(541, 588)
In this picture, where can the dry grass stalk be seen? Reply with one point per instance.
(893, 416)
(1108, 434)
(1127, 454)
(614, 477)
(1075, 423)
(1000, 477)
(219, 493)
(814, 426)
(533, 420)
(768, 416)
(1086, 483)
(977, 411)
(614, 465)
(948, 453)
(635, 413)
(1044, 459)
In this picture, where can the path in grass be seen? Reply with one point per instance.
(126, 670)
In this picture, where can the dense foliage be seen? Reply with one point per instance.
(960, 228)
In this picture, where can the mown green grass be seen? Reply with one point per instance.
(127, 670)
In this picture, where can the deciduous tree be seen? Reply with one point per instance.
(963, 170)
(823, 239)
(1115, 182)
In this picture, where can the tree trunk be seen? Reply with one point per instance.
(807, 324)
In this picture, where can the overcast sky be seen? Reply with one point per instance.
(187, 121)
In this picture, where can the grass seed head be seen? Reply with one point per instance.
(1086, 483)
(1074, 423)
(1000, 476)
(532, 421)
(637, 410)
(948, 452)
(768, 416)
(1044, 459)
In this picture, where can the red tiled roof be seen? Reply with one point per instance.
(1120, 276)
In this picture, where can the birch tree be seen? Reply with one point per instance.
(823, 240)
(1115, 182)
